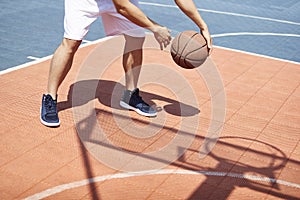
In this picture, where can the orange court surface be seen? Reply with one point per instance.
(256, 155)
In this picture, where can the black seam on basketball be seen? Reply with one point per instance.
(187, 44)
(189, 59)
(173, 49)
(194, 50)
(185, 63)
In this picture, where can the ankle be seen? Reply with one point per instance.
(54, 96)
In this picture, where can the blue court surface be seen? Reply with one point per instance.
(30, 30)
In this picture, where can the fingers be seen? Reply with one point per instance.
(208, 39)
(164, 43)
(161, 46)
(163, 37)
(209, 46)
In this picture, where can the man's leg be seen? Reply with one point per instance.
(60, 65)
(132, 62)
(116, 24)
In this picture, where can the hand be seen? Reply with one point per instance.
(208, 39)
(162, 35)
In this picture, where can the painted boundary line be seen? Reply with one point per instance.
(39, 60)
(28, 64)
(258, 55)
(225, 13)
(72, 185)
(254, 34)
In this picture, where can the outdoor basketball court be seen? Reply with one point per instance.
(227, 130)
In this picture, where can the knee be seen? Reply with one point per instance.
(70, 46)
(133, 43)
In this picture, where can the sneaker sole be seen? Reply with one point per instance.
(49, 124)
(126, 106)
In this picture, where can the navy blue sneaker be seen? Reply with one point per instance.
(131, 100)
(49, 115)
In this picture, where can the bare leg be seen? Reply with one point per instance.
(132, 60)
(61, 64)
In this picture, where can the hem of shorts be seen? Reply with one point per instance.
(73, 38)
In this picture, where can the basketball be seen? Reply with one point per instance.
(189, 49)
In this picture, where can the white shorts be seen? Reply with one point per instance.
(80, 14)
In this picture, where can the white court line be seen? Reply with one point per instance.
(254, 34)
(226, 13)
(28, 64)
(11, 69)
(61, 188)
(86, 41)
(33, 58)
(106, 38)
(259, 55)
(39, 60)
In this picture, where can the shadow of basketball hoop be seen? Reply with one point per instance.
(260, 161)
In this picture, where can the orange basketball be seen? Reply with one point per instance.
(189, 49)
